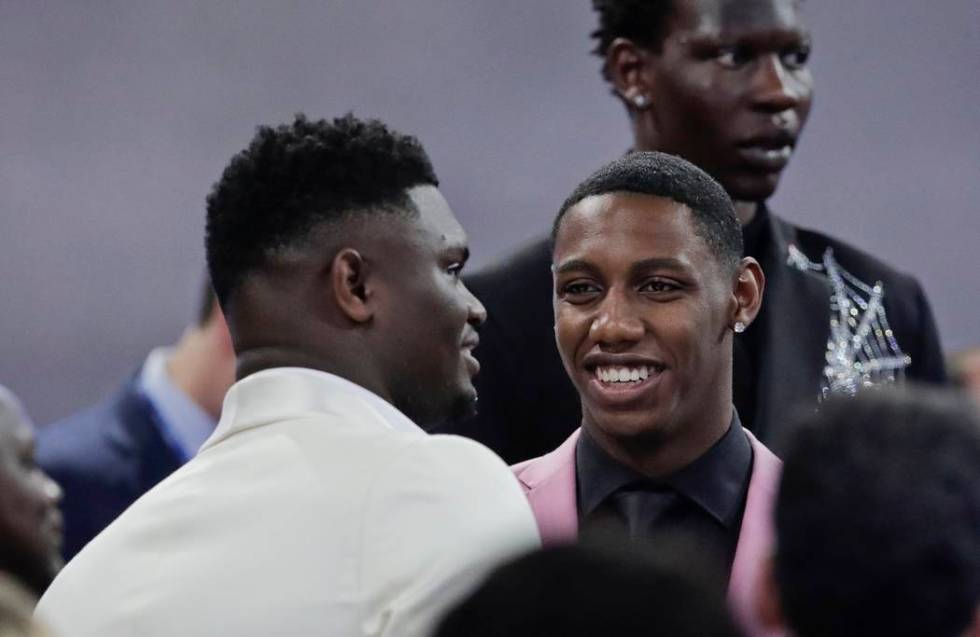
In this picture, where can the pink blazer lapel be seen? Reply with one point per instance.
(755, 538)
(549, 483)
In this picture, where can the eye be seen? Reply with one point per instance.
(732, 57)
(659, 287)
(795, 58)
(578, 292)
(455, 270)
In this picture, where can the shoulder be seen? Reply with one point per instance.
(444, 490)
(448, 461)
(84, 430)
(449, 481)
(83, 445)
(860, 263)
(556, 464)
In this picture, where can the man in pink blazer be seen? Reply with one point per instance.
(649, 287)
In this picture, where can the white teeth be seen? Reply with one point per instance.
(623, 374)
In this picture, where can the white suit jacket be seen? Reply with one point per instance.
(316, 508)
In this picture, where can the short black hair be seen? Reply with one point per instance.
(642, 21)
(878, 517)
(670, 177)
(296, 175)
(590, 589)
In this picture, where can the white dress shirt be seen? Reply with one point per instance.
(315, 508)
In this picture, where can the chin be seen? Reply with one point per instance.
(633, 428)
(757, 188)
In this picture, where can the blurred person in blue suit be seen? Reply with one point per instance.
(109, 454)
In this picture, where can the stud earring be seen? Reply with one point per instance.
(641, 101)
(739, 327)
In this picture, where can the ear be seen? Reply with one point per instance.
(629, 70)
(768, 608)
(349, 283)
(747, 291)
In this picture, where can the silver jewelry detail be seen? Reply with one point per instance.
(861, 349)
(641, 101)
(739, 327)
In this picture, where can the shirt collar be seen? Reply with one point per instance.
(754, 232)
(286, 393)
(715, 482)
(183, 424)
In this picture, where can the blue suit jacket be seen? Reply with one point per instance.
(104, 458)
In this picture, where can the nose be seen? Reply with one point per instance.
(777, 88)
(476, 312)
(51, 489)
(616, 323)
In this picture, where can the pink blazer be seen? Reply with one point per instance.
(549, 483)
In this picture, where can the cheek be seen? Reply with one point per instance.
(571, 329)
(21, 504)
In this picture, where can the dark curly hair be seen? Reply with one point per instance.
(296, 175)
(642, 21)
(668, 176)
(878, 517)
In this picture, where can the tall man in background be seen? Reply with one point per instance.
(112, 453)
(726, 85)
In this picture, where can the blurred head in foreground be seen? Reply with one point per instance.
(600, 587)
(878, 519)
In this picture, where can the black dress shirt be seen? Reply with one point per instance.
(703, 502)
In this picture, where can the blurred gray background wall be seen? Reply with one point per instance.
(116, 117)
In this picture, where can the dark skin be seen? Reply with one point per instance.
(376, 299)
(637, 289)
(30, 522)
(729, 90)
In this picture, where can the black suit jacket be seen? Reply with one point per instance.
(528, 406)
(104, 458)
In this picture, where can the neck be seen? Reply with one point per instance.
(257, 359)
(642, 130)
(745, 211)
(202, 369)
(658, 456)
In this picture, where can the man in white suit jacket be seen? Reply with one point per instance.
(319, 507)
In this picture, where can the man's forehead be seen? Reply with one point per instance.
(613, 220)
(721, 16)
(435, 215)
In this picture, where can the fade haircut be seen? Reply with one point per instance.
(295, 176)
(644, 22)
(878, 517)
(670, 177)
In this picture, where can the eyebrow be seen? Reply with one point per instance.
(653, 263)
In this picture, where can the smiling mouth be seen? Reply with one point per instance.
(625, 374)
